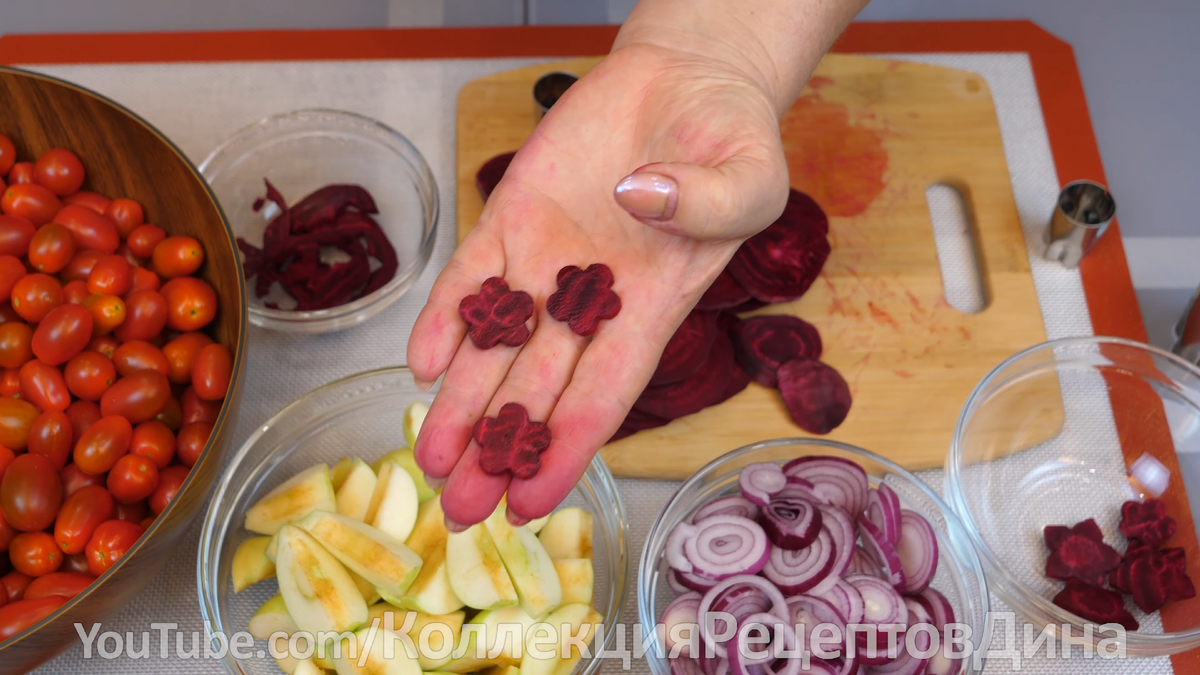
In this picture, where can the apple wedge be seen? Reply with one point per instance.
(414, 417)
(405, 458)
(354, 493)
(339, 471)
(375, 652)
(537, 524)
(433, 653)
(307, 667)
(270, 618)
(251, 564)
(568, 534)
(477, 575)
(501, 670)
(394, 503)
(578, 579)
(430, 592)
(528, 564)
(549, 648)
(319, 594)
(300, 495)
(366, 588)
(491, 638)
(379, 558)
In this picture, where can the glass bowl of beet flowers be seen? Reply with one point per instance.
(335, 216)
(801, 555)
(1065, 467)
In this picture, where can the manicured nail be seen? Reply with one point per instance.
(455, 527)
(648, 195)
(421, 384)
(514, 519)
(435, 483)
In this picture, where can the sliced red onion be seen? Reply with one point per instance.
(809, 611)
(801, 571)
(681, 612)
(819, 667)
(676, 557)
(690, 581)
(906, 663)
(881, 603)
(940, 664)
(800, 487)
(673, 582)
(861, 563)
(732, 505)
(841, 529)
(917, 612)
(681, 665)
(739, 589)
(760, 482)
(883, 510)
(724, 546)
(714, 665)
(846, 599)
(877, 546)
(939, 608)
(782, 634)
(791, 522)
(918, 552)
(841, 481)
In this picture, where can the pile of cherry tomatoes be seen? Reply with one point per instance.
(108, 388)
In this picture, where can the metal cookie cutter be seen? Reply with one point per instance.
(1081, 217)
(549, 88)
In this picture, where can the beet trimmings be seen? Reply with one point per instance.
(497, 315)
(491, 172)
(320, 250)
(584, 298)
(511, 442)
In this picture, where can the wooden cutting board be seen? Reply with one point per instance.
(866, 139)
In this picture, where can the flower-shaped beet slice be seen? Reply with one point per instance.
(1079, 553)
(1153, 576)
(510, 441)
(584, 298)
(1095, 604)
(1146, 521)
(781, 262)
(491, 172)
(761, 343)
(816, 396)
(687, 349)
(496, 315)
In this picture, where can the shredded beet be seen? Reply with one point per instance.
(1095, 604)
(491, 172)
(496, 315)
(761, 343)
(1079, 553)
(816, 396)
(705, 387)
(724, 293)
(781, 262)
(1146, 521)
(584, 298)
(327, 204)
(510, 441)
(687, 349)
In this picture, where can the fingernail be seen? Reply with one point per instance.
(648, 195)
(455, 527)
(435, 483)
(421, 384)
(514, 519)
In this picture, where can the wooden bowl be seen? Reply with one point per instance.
(126, 157)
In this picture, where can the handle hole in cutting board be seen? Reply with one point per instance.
(958, 258)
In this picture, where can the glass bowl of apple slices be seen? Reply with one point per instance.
(325, 550)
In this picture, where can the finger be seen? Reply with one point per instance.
(732, 200)
(471, 495)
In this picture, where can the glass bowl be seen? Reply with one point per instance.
(1039, 443)
(361, 415)
(302, 151)
(959, 574)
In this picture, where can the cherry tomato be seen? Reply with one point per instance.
(154, 441)
(105, 345)
(51, 248)
(43, 385)
(65, 331)
(127, 215)
(16, 418)
(9, 274)
(7, 532)
(133, 512)
(21, 174)
(30, 201)
(15, 584)
(131, 480)
(81, 514)
(82, 414)
(92, 200)
(10, 383)
(137, 355)
(195, 409)
(74, 479)
(30, 493)
(171, 415)
(112, 275)
(34, 295)
(137, 397)
(35, 554)
(7, 313)
(91, 229)
(15, 234)
(20, 615)
(8, 154)
(109, 544)
(106, 441)
(211, 372)
(7, 456)
(81, 265)
(89, 374)
(76, 564)
(144, 280)
(134, 261)
(190, 442)
(145, 316)
(59, 171)
(191, 303)
(64, 583)
(177, 257)
(108, 312)
(170, 480)
(143, 240)
(51, 436)
(75, 292)
(15, 344)
(181, 355)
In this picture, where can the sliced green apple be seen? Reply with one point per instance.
(339, 471)
(308, 667)
(379, 558)
(414, 417)
(366, 588)
(498, 642)
(405, 458)
(537, 524)
(376, 652)
(394, 503)
(270, 618)
(547, 646)
(251, 564)
(432, 654)
(300, 495)
(430, 592)
(319, 594)
(477, 575)
(286, 662)
(578, 579)
(501, 670)
(529, 566)
(568, 534)
(354, 494)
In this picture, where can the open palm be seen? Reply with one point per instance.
(676, 118)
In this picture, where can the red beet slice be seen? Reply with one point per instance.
(704, 388)
(1146, 521)
(1095, 604)
(816, 396)
(510, 441)
(739, 379)
(491, 172)
(781, 262)
(724, 293)
(761, 343)
(687, 349)
(584, 298)
(497, 315)
(1153, 577)
(1055, 535)
(1079, 553)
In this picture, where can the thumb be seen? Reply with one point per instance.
(732, 200)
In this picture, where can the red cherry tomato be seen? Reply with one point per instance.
(81, 514)
(154, 441)
(82, 414)
(8, 154)
(127, 215)
(137, 355)
(15, 234)
(22, 614)
(181, 355)
(171, 415)
(133, 512)
(35, 554)
(31, 201)
(63, 583)
(112, 275)
(11, 271)
(91, 229)
(131, 480)
(191, 303)
(51, 248)
(7, 532)
(65, 331)
(190, 442)
(7, 313)
(92, 200)
(76, 564)
(74, 479)
(74, 293)
(146, 313)
(109, 544)
(21, 174)
(10, 383)
(144, 280)
(89, 374)
(16, 419)
(211, 372)
(34, 295)
(81, 265)
(143, 240)
(170, 480)
(177, 257)
(30, 493)
(59, 171)
(137, 397)
(15, 584)
(105, 345)
(6, 458)
(106, 441)
(16, 340)
(195, 409)
(51, 436)
(43, 385)
(108, 312)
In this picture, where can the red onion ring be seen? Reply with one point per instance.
(731, 505)
(881, 603)
(791, 522)
(724, 546)
(883, 510)
(882, 552)
(841, 531)
(800, 571)
(846, 599)
(800, 487)
(811, 611)
(685, 666)
(681, 612)
(861, 563)
(939, 608)
(766, 590)
(918, 552)
(906, 663)
(760, 482)
(690, 581)
(676, 557)
(841, 481)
